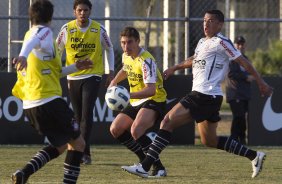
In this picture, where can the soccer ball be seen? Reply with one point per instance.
(117, 98)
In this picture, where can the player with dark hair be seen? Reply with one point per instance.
(147, 98)
(210, 65)
(39, 69)
(85, 38)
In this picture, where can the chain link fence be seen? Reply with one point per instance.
(170, 29)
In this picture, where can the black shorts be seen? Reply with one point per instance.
(203, 107)
(149, 104)
(55, 120)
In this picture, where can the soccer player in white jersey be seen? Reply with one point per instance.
(209, 63)
(39, 69)
(85, 38)
(147, 98)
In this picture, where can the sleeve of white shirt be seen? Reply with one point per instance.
(108, 47)
(41, 38)
(229, 49)
(149, 69)
(68, 70)
(62, 38)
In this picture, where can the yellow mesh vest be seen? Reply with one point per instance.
(82, 45)
(133, 68)
(41, 79)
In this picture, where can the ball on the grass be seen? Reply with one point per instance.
(117, 98)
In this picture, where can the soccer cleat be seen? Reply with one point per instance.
(158, 173)
(18, 177)
(136, 169)
(257, 163)
(86, 159)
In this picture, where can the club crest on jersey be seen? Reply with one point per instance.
(73, 30)
(94, 30)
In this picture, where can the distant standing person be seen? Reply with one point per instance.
(238, 93)
(85, 38)
(39, 69)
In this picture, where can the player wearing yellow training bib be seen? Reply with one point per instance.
(39, 70)
(141, 71)
(147, 98)
(85, 38)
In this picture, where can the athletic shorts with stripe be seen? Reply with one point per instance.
(203, 107)
(149, 104)
(55, 120)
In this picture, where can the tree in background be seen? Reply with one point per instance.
(268, 62)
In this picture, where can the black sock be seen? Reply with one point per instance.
(127, 140)
(72, 166)
(233, 146)
(145, 143)
(40, 159)
(159, 144)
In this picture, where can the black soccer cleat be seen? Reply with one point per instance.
(18, 177)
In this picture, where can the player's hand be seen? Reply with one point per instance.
(20, 63)
(110, 77)
(265, 89)
(112, 83)
(84, 64)
(167, 73)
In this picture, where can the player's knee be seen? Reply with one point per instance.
(136, 131)
(165, 124)
(116, 132)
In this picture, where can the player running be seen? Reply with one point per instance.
(210, 65)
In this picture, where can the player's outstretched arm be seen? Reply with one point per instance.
(78, 65)
(264, 88)
(121, 75)
(185, 64)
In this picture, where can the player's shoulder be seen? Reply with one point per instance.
(42, 32)
(221, 38)
(64, 27)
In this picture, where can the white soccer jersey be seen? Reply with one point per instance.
(210, 64)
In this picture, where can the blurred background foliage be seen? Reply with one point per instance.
(269, 61)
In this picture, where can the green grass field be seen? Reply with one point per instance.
(185, 164)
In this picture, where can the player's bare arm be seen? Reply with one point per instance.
(148, 91)
(264, 88)
(121, 75)
(185, 64)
